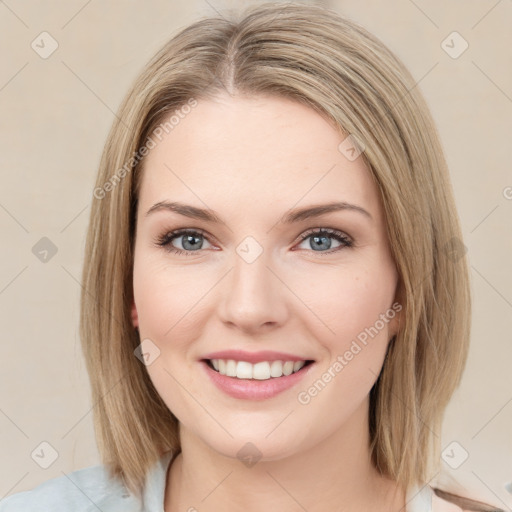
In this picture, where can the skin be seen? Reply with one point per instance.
(251, 159)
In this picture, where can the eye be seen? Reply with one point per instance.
(190, 240)
(320, 240)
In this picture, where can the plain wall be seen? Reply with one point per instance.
(56, 113)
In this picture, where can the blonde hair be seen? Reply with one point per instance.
(313, 56)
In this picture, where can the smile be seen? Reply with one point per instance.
(263, 370)
(255, 381)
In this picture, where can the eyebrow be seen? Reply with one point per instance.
(290, 217)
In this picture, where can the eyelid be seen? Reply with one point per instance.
(165, 240)
(329, 231)
(172, 234)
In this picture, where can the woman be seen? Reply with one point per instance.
(272, 369)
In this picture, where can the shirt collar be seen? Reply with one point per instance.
(154, 489)
(418, 499)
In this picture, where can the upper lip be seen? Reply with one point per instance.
(254, 357)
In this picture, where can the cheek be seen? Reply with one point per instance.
(352, 305)
(169, 299)
(356, 311)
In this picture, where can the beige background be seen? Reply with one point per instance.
(55, 116)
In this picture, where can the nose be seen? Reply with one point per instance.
(253, 298)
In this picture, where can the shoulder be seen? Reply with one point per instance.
(421, 498)
(444, 505)
(459, 503)
(84, 490)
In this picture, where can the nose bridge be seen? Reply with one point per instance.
(253, 295)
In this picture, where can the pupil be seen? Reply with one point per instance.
(190, 239)
(317, 238)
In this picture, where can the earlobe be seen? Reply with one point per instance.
(135, 317)
(399, 311)
(396, 320)
(394, 324)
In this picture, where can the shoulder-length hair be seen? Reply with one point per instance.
(313, 56)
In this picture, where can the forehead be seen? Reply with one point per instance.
(252, 152)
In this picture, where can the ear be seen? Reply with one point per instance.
(135, 316)
(395, 322)
(398, 309)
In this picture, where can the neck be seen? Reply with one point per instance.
(336, 474)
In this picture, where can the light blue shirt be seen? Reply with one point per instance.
(90, 490)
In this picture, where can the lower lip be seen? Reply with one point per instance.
(252, 389)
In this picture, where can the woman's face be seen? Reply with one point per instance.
(260, 279)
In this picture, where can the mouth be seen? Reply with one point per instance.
(261, 371)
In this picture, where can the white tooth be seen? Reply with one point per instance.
(276, 369)
(288, 368)
(244, 370)
(215, 364)
(261, 371)
(298, 365)
(231, 368)
(222, 366)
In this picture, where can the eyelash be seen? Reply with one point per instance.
(166, 239)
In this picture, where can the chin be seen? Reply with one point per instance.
(252, 449)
